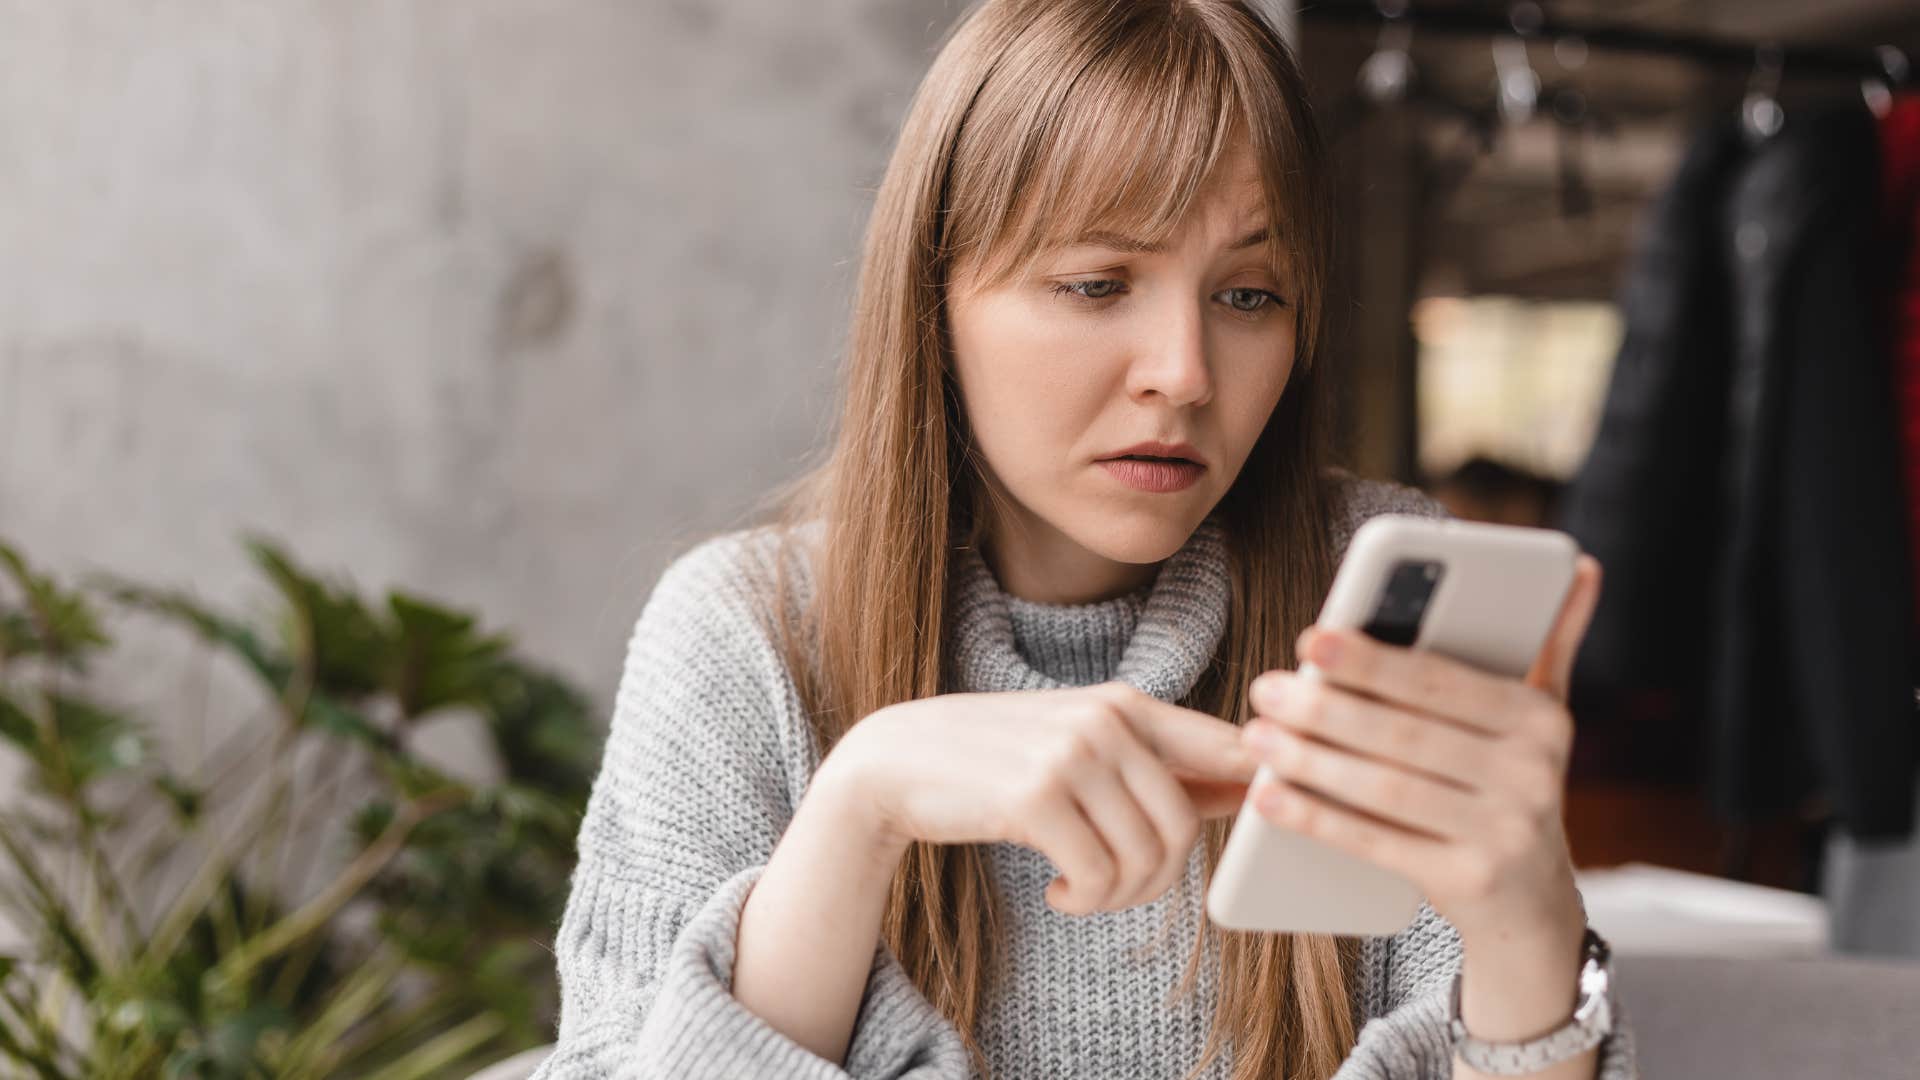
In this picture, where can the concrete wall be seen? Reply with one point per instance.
(501, 300)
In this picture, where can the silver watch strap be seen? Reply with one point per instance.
(1591, 1023)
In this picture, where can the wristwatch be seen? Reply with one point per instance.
(1592, 1022)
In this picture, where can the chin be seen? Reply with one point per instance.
(1133, 533)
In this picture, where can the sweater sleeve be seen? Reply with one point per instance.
(705, 759)
(1408, 1040)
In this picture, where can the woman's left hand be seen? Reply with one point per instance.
(1437, 770)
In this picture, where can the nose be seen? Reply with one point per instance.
(1173, 361)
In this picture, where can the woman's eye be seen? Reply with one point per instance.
(1256, 298)
(1246, 301)
(1097, 289)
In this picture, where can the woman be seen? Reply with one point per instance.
(914, 783)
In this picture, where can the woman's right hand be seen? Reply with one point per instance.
(1107, 781)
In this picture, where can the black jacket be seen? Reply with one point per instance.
(1744, 493)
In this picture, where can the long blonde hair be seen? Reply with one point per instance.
(1040, 119)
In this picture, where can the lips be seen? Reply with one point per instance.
(1155, 467)
(1159, 451)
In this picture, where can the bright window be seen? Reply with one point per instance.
(1519, 381)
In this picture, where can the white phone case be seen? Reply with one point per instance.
(1500, 590)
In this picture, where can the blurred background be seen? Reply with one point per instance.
(362, 363)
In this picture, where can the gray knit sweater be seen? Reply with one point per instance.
(710, 752)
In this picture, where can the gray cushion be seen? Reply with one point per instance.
(1712, 1017)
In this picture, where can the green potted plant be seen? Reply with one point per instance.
(423, 956)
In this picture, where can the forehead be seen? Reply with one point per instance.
(1233, 197)
(1122, 189)
(1236, 174)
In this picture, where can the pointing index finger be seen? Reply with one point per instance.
(1188, 740)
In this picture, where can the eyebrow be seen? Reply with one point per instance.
(1117, 242)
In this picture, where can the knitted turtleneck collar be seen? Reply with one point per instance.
(1158, 638)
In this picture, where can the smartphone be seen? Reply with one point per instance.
(1486, 595)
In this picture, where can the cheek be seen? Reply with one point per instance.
(1250, 390)
(1028, 383)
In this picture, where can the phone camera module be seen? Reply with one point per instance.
(1396, 615)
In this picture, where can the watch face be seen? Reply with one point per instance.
(1596, 978)
(1600, 1018)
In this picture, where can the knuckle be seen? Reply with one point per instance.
(1040, 791)
(1289, 753)
(1100, 722)
(1432, 682)
(1392, 788)
(1073, 752)
(1309, 709)
(1402, 735)
(1114, 695)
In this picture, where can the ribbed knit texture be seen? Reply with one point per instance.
(710, 751)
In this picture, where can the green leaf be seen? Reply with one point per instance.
(57, 623)
(190, 1062)
(85, 741)
(440, 659)
(327, 625)
(93, 741)
(500, 977)
(273, 667)
(233, 1042)
(17, 637)
(543, 730)
(74, 954)
(524, 807)
(326, 714)
(372, 819)
(413, 778)
(18, 728)
(159, 1018)
(186, 801)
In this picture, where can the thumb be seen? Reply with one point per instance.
(1553, 670)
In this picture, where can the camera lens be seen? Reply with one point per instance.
(1397, 613)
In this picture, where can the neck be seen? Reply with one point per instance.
(1035, 561)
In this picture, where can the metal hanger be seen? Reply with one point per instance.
(1761, 115)
(1878, 89)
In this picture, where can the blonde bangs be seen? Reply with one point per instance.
(1123, 140)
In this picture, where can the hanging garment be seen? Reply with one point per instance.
(1872, 888)
(1640, 504)
(1900, 209)
(1743, 492)
(1811, 684)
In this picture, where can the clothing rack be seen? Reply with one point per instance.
(1529, 21)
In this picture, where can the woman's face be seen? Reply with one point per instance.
(1106, 348)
